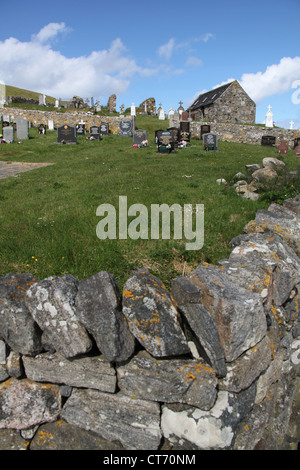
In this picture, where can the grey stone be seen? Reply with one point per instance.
(133, 423)
(8, 134)
(293, 204)
(24, 403)
(52, 305)
(17, 327)
(63, 436)
(3, 373)
(237, 312)
(278, 220)
(177, 380)
(88, 372)
(98, 307)
(15, 365)
(250, 169)
(22, 128)
(188, 296)
(12, 440)
(152, 316)
(275, 164)
(242, 372)
(208, 430)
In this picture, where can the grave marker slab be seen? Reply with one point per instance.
(283, 147)
(104, 128)
(210, 141)
(42, 129)
(268, 140)
(139, 136)
(51, 125)
(80, 129)
(95, 132)
(176, 133)
(22, 126)
(165, 141)
(184, 133)
(205, 129)
(66, 134)
(8, 134)
(125, 128)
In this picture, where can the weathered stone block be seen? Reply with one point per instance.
(132, 422)
(99, 309)
(182, 381)
(152, 316)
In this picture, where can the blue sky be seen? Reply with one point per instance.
(169, 50)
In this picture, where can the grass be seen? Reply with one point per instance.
(48, 216)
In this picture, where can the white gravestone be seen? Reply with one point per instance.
(269, 118)
(2, 94)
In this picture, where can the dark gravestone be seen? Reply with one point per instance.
(104, 128)
(176, 133)
(139, 137)
(80, 129)
(184, 133)
(165, 141)
(210, 141)
(95, 132)
(296, 142)
(125, 128)
(66, 134)
(205, 129)
(297, 151)
(283, 147)
(268, 140)
(42, 129)
(184, 116)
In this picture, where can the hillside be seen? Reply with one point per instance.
(20, 92)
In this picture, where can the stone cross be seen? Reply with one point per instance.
(291, 124)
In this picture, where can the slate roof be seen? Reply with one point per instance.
(209, 97)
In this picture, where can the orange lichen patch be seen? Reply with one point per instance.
(128, 294)
(272, 350)
(246, 427)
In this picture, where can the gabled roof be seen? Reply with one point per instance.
(209, 97)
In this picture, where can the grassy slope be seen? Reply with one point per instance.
(48, 216)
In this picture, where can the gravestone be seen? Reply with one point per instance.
(184, 116)
(176, 133)
(297, 151)
(162, 115)
(296, 141)
(104, 128)
(80, 129)
(165, 141)
(6, 118)
(139, 136)
(66, 134)
(51, 125)
(269, 118)
(283, 147)
(125, 128)
(8, 134)
(268, 140)
(210, 141)
(205, 129)
(42, 129)
(2, 93)
(22, 128)
(184, 133)
(95, 132)
(42, 100)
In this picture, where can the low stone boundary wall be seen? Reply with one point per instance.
(37, 117)
(246, 133)
(213, 364)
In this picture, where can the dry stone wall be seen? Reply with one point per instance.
(245, 133)
(212, 364)
(37, 117)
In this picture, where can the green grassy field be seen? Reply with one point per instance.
(48, 216)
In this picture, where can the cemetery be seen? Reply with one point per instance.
(149, 346)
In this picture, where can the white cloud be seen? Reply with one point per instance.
(34, 65)
(49, 32)
(166, 50)
(193, 61)
(276, 79)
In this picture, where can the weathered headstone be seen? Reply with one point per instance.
(2, 93)
(125, 128)
(111, 104)
(165, 141)
(42, 129)
(140, 137)
(95, 132)
(210, 141)
(42, 100)
(66, 134)
(297, 151)
(80, 129)
(205, 129)
(8, 134)
(283, 147)
(184, 116)
(51, 125)
(185, 131)
(269, 118)
(161, 115)
(268, 140)
(176, 133)
(104, 128)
